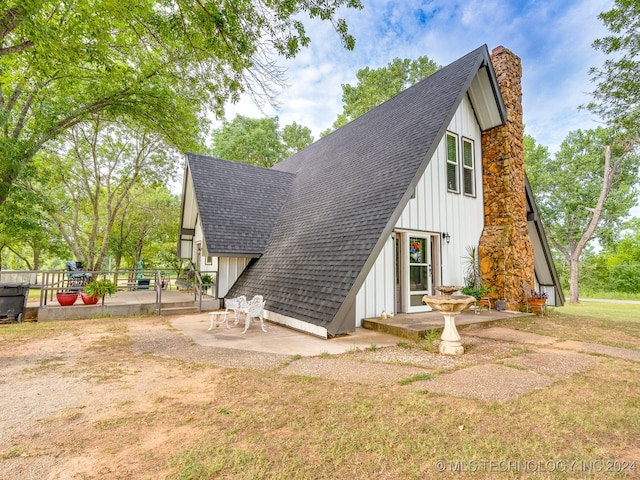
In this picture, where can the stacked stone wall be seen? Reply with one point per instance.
(505, 250)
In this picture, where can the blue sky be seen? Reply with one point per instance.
(552, 37)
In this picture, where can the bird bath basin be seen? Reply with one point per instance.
(450, 306)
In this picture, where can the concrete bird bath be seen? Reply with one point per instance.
(450, 305)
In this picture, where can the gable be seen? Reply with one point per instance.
(238, 204)
(349, 190)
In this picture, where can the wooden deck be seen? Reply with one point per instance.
(122, 303)
(415, 326)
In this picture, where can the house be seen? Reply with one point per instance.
(376, 214)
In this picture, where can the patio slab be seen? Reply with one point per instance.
(510, 335)
(486, 382)
(277, 339)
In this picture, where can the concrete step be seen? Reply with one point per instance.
(182, 310)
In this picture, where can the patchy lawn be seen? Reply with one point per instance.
(133, 398)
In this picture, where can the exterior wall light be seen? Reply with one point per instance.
(446, 236)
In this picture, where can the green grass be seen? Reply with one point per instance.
(626, 312)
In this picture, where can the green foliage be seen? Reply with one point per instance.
(89, 182)
(616, 268)
(616, 98)
(100, 288)
(375, 86)
(165, 66)
(568, 186)
(206, 279)
(296, 137)
(259, 141)
(249, 140)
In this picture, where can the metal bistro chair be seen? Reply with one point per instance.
(255, 310)
(238, 305)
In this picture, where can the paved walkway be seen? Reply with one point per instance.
(543, 359)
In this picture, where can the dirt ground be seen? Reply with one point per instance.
(116, 398)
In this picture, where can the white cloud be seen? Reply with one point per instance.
(552, 38)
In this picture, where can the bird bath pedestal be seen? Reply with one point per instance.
(450, 306)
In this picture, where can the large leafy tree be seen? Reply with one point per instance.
(378, 85)
(88, 178)
(259, 141)
(27, 232)
(145, 228)
(163, 64)
(584, 192)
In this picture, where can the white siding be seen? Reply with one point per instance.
(378, 291)
(434, 209)
(229, 269)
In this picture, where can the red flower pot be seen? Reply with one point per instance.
(88, 299)
(65, 298)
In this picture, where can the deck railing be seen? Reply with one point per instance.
(50, 282)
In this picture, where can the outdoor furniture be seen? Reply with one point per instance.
(214, 318)
(238, 305)
(483, 302)
(77, 276)
(255, 309)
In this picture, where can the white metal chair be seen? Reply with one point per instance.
(255, 310)
(238, 305)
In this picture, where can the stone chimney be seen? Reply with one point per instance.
(505, 250)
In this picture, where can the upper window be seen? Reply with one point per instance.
(452, 163)
(468, 177)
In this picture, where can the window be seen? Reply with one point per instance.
(468, 177)
(452, 163)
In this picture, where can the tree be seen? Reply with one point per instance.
(145, 227)
(583, 193)
(27, 232)
(89, 177)
(259, 141)
(296, 137)
(616, 96)
(376, 86)
(164, 65)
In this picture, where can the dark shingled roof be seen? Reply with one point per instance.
(240, 204)
(349, 190)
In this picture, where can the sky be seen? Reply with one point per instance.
(552, 37)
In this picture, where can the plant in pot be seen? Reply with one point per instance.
(537, 301)
(67, 298)
(97, 289)
(207, 281)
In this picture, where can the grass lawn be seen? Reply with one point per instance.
(238, 423)
(615, 324)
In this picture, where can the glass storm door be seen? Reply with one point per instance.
(419, 272)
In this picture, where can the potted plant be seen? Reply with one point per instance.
(67, 298)
(98, 289)
(207, 282)
(537, 301)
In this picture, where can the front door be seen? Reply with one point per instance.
(417, 268)
(419, 271)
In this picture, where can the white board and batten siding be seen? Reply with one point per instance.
(432, 211)
(229, 270)
(378, 290)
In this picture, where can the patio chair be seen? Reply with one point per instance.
(255, 310)
(238, 305)
(77, 276)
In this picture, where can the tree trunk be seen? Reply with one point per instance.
(574, 269)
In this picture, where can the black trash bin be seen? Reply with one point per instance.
(13, 300)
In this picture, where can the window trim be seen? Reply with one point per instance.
(449, 163)
(471, 169)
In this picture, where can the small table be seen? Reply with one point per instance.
(214, 318)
